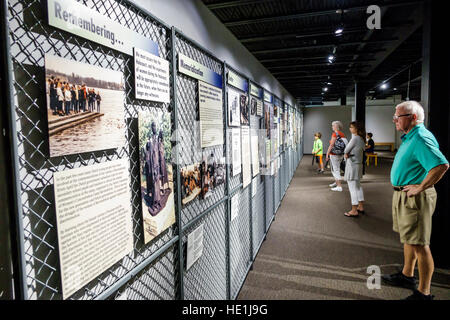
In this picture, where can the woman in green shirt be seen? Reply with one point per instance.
(318, 151)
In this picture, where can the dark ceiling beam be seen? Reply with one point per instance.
(319, 64)
(324, 56)
(315, 33)
(319, 76)
(350, 43)
(326, 71)
(328, 11)
(231, 4)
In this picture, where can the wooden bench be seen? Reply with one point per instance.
(389, 144)
(372, 155)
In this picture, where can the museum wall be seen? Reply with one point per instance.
(195, 20)
(378, 121)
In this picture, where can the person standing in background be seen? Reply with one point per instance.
(353, 154)
(418, 166)
(318, 151)
(98, 98)
(335, 153)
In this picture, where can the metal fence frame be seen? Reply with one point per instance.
(155, 270)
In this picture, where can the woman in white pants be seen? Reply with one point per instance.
(353, 168)
(336, 155)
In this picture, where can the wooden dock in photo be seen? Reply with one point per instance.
(57, 124)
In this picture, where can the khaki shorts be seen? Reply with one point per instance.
(412, 216)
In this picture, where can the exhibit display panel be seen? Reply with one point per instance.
(115, 114)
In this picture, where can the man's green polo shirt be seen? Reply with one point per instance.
(418, 154)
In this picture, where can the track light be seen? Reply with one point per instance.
(331, 58)
(384, 86)
(325, 89)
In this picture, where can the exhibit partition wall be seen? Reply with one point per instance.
(144, 167)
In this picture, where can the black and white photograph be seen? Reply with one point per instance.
(158, 204)
(234, 108)
(253, 106)
(212, 173)
(85, 107)
(244, 110)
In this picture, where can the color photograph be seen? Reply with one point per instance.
(190, 183)
(213, 174)
(85, 107)
(158, 204)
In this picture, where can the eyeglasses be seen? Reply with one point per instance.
(402, 115)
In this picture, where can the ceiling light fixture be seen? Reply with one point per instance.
(338, 32)
(325, 89)
(384, 86)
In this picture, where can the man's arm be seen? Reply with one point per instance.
(433, 176)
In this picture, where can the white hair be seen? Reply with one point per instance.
(338, 123)
(413, 107)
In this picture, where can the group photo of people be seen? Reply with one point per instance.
(190, 183)
(213, 174)
(68, 98)
(85, 106)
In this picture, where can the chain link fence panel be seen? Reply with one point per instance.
(30, 39)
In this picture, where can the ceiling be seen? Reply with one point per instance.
(294, 39)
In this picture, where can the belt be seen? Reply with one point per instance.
(398, 188)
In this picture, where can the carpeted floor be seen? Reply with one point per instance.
(313, 251)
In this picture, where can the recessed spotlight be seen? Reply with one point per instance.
(325, 89)
(339, 31)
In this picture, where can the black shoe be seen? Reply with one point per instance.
(400, 280)
(417, 295)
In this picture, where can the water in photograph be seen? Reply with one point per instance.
(105, 132)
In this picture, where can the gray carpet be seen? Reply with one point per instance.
(313, 251)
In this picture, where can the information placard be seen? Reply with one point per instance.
(94, 221)
(211, 115)
(234, 207)
(254, 186)
(194, 246)
(151, 77)
(78, 19)
(255, 155)
(198, 71)
(235, 151)
(246, 160)
(237, 81)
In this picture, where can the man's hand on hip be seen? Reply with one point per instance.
(412, 190)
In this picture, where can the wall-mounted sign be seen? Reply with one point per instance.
(194, 246)
(256, 91)
(94, 220)
(268, 97)
(151, 77)
(211, 115)
(237, 81)
(73, 17)
(198, 71)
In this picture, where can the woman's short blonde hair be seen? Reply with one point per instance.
(338, 123)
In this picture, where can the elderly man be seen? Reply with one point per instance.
(417, 167)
